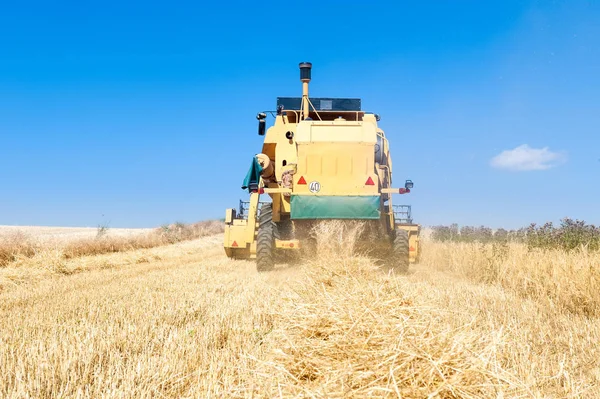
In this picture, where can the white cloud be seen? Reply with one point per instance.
(526, 158)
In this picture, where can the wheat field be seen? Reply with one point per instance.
(181, 320)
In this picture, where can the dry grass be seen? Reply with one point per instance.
(181, 320)
(52, 235)
(164, 235)
(16, 246)
(556, 278)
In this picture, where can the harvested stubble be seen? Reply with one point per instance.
(183, 321)
(166, 328)
(350, 330)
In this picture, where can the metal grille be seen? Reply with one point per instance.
(403, 214)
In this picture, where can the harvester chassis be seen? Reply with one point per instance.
(323, 159)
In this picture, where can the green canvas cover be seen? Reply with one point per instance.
(253, 176)
(335, 207)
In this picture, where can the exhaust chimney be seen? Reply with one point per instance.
(305, 68)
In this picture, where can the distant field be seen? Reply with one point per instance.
(20, 245)
(49, 234)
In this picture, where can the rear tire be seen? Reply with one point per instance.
(265, 240)
(400, 252)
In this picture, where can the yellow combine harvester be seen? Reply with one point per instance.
(323, 159)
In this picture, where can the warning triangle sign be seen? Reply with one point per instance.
(235, 244)
(301, 181)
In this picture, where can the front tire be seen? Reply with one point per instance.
(265, 240)
(400, 252)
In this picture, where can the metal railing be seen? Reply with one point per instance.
(403, 214)
(245, 206)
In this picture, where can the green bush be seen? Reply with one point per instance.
(570, 235)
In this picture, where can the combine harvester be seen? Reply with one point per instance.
(323, 159)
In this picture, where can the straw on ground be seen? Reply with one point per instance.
(181, 320)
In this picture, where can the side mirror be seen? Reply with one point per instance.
(262, 123)
(408, 184)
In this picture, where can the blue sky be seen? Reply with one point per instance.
(139, 114)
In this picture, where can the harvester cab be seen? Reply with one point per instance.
(322, 159)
